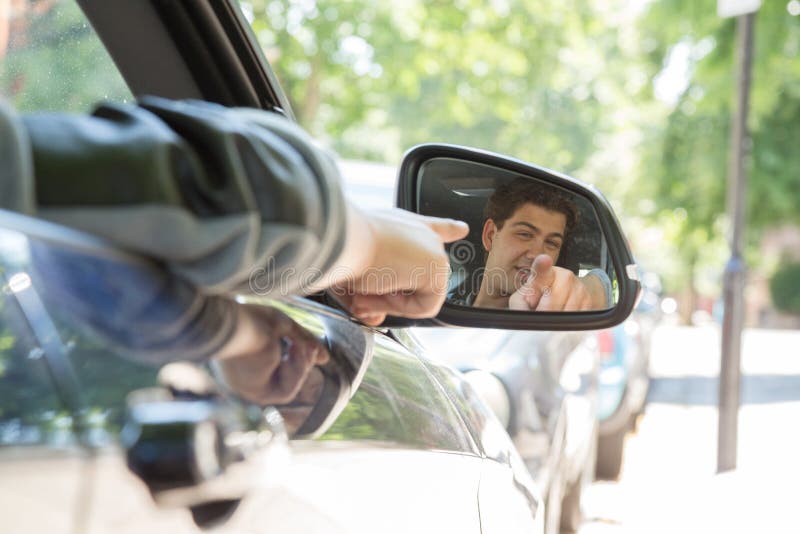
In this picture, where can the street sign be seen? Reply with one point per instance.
(735, 8)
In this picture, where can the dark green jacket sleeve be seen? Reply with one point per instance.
(231, 200)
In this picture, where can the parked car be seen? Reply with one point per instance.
(624, 379)
(92, 440)
(541, 385)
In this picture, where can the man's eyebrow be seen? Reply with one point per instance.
(536, 229)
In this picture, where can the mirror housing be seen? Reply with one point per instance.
(628, 285)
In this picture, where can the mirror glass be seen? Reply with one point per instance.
(532, 246)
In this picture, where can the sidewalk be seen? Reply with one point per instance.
(668, 482)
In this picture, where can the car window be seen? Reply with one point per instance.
(104, 377)
(31, 413)
(480, 420)
(51, 58)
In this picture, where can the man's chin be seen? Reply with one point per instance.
(502, 292)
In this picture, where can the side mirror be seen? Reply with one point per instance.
(525, 222)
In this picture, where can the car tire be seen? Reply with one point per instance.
(609, 454)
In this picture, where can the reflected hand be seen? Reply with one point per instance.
(270, 356)
(550, 288)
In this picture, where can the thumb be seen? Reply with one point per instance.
(542, 276)
(540, 270)
(448, 229)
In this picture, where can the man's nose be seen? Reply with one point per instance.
(533, 251)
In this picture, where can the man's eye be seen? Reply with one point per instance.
(553, 244)
(525, 235)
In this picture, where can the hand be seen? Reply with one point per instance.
(269, 357)
(550, 288)
(404, 268)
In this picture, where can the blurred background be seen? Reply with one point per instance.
(634, 96)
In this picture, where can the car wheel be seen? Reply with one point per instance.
(609, 454)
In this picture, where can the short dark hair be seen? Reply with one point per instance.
(508, 197)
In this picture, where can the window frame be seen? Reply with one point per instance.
(201, 49)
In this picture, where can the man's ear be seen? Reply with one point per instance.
(487, 236)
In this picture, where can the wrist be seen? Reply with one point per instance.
(361, 242)
(358, 253)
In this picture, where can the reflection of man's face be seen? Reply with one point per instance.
(531, 230)
(299, 409)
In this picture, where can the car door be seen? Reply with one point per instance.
(397, 458)
(41, 463)
(43, 486)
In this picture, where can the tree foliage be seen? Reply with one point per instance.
(574, 86)
(566, 85)
(377, 78)
(690, 155)
(785, 288)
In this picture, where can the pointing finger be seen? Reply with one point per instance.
(543, 275)
(448, 229)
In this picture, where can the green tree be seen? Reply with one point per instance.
(785, 288)
(376, 78)
(688, 155)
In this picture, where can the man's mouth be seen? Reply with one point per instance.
(523, 273)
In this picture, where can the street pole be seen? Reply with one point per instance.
(734, 278)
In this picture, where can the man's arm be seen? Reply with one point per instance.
(599, 287)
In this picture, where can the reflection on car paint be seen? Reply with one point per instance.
(398, 403)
